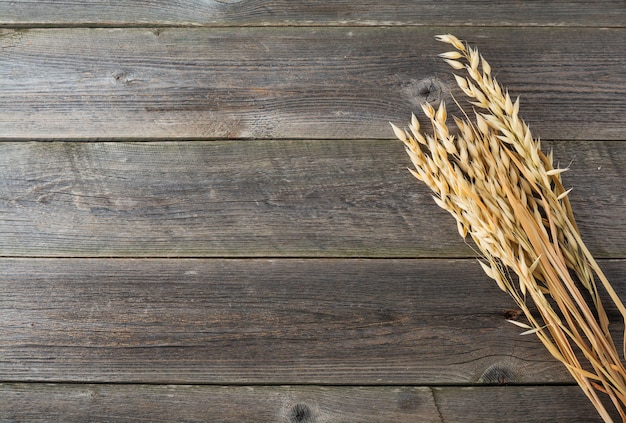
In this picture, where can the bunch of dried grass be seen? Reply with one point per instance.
(505, 193)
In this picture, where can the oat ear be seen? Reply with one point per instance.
(504, 192)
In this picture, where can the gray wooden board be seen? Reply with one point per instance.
(267, 321)
(289, 82)
(287, 198)
(342, 12)
(293, 404)
(536, 404)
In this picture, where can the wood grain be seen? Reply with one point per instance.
(250, 247)
(338, 83)
(293, 404)
(341, 12)
(258, 199)
(529, 404)
(417, 322)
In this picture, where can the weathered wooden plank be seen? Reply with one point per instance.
(529, 404)
(293, 404)
(259, 198)
(342, 12)
(293, 82)
(265, 322)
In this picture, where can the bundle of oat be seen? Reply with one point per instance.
(506, 194)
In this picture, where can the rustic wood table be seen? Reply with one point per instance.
(204, 215)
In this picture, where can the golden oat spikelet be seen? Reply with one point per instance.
(506, 195)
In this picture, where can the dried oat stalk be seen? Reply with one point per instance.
(505, 193)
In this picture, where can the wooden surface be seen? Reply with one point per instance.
(320, 83)
(291, 404)
(204, 215)
(577, 13)
(278, 198)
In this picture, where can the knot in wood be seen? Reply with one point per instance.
(429, 90)
(124, 77)
(301, 413)
(512, 314)
(499, 374)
